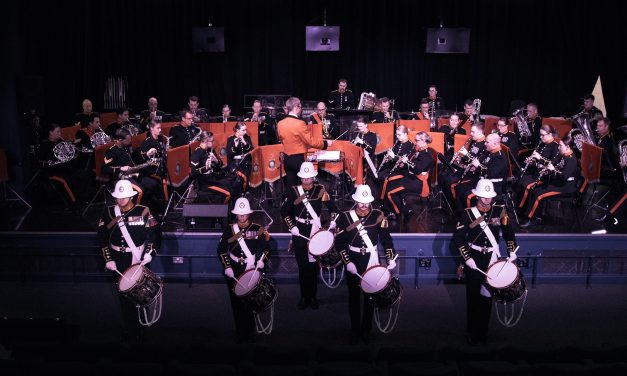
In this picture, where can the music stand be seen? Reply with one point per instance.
(101, 177)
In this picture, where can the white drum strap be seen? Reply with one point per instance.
(250, 260)
(374, 256)
(485, 228)
(310, 209)
(137, 253)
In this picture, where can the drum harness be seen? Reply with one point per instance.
(374, 260)
(137, 252)
(314, 222)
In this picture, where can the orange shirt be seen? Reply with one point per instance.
(296, 136)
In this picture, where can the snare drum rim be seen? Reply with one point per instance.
(366, 272)
(314, 236)
(518, 275)
(139, 277)
(252, 288)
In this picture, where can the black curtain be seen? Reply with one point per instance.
(548, 52)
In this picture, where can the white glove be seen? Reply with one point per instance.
(147, 259)
(391, 264)
(512, 257)
(471, 264)
(260, 264)
(295, 231)
(329, 142)
(110, 265)
(351, 268)
(332, 225)
(229, 272)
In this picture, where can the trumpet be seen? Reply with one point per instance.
(212, 158)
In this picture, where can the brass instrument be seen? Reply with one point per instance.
(99, 138)
(622, 148)
(212, 158)
(193, 139)
(131, 128)
(326, 128)
(582, 131)
(400, 160)
(133, 172)
(367, 101)
(520, 117)
(476, 110)
(64, 152)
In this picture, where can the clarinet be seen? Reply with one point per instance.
(529, 160)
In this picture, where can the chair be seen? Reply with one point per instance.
(102, 178)
(570, 201)
(4, 179)
(69, 133)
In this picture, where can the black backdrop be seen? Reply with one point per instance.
(550, 52)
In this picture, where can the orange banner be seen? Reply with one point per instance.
(591, 162)
(416, 125)
(385, 136)
(269, 162)
(252, 128)
(165, 127)
(256, 175)
(214, 128)
(561, 125)
(178, 165)
(460, 140)
(219, 145)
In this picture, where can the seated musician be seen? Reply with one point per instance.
(368, 141)
(415, 171)
(610, 151)
(82, 118)
(385, 115)
(589, 110)
(88, 138)
(423, 114)
(474, 147)
(554, 180)
(154, 149)
(238, 148)
(467, 117)
(267, 131)
(388, 170)
(534, 122)
(450, 131)
(226, 114)
(58, 158)
(546, 151)
(121, 122)
(185, 132)
(199, 114)
(330, 128)
(508, 138)
(207, 168)
(492, 165)
(152, 113)
(119, 163)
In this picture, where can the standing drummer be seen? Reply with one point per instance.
(360, 231)
(477, 238)
(243, 246)
(301, 212)
(128, 234)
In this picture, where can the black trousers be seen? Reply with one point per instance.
(242, 314)
(360, 309)
(478, 307)
(130, 317)
(292, 166)
(307, 271)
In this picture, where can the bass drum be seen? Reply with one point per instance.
(255, 290)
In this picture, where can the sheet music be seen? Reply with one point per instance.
(328, 155)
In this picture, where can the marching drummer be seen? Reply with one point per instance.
(301, 212)
(128, 234)
(360, 231)
(243, 246)
(477, 239)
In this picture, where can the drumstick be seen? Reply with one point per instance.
(135, 272)
(253, 276)
(303, 236)
(500, 270)
(121, 275)
(362, 278)
(238, 282)
(484, 273)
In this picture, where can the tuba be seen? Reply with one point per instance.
(99, 138)
(581, 131)
(520, 117)
(476, 110)
(367, 101)
(64, 152)
(622, 149)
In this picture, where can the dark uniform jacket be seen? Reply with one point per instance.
(83, 138)
(115, 158)
(181, 135)
(294, 207)
(566, 174)
(141, 226)
(200, 115)
(198, 163)
(257, 240)
(399, 149)
(379, 117)
(547, 151)
(161, 155)
(144, 118)
(510, 140)
(449, 137)
(341, 100)
(610, 151)
(370, 143)
(233, 150)
(438, 102)
(421, 161)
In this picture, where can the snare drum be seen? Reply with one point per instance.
(257, 291)
(321, 248)
(506, 281)
(142, 288)
(382, 288)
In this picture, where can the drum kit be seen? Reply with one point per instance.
(506, 283)
(144, 288)
(259, 294)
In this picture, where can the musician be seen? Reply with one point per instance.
(330, 128)
(152, 113)
(208, 169)
(423, 113)
(296, 138)
(563, 178)
(547, 150)
(477, 237)
(244, 245)
(226, 114)
(154, 149)
(199, 114)
(388, 168)
(385, 115)
(70, 179)
(474, 148)
(342, 98)
(468, 117)
(534, 122)
(185, 132)
(618, 192)
(368, 141)
(267, 128)
(120, 122)
(450, 131)
(361, 230)
(118, 162)
(492, 165)
(415, 177)
(610, 151)
(82, 118)
(508, 138)
(128, 234)
(302, 212)
(83, 136)
(238, 148)
(589, 110)
(433, 100)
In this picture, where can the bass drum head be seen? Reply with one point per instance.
(247, 282)
(321, 242)
(375, 279)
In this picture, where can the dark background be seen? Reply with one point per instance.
(550, 52)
